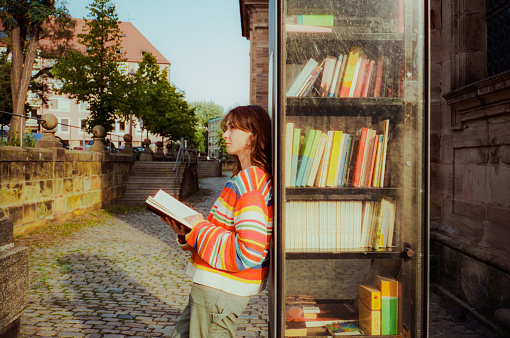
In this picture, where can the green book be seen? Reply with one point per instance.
(315, 20)
(303, 159)
(389, 305)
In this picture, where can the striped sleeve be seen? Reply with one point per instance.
(243, 248)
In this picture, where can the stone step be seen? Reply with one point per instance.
(153, 180)
(147, 178)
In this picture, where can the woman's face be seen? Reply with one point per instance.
(236, 141)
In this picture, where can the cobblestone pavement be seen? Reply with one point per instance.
(126, 278)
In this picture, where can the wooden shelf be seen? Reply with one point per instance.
(339, 34)
(345, 254)
(337, 194)
(381, 107)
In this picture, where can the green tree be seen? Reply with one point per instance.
(97, 75)
(159, 104)
(26, 22)
(5, 88)
(220, 142)
(204, 112)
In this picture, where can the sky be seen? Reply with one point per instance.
(210, 59)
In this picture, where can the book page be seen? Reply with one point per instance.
(174, 205)
(165, 205)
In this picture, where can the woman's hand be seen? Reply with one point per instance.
(178, 228)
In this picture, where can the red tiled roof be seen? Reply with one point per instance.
(132, 45)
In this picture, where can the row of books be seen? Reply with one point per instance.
(352, 74)
(378, 307)
(331, 226)
(335, 158)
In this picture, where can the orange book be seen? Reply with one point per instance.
(378, 77)
(372, 164)
(360, 154)
(349, 72)
(368, 77)
(367, 158)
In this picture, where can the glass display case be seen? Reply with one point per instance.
(349, 88)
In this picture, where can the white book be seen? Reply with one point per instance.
(289, 136)
(163, 204)
(301, 78)
(358, 206)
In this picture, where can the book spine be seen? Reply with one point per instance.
(379, 76)
(289, 135)
(356, 180)
(335, 151)
(389, 305)
(349, 72)
(295, 155)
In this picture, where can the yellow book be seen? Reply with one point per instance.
(349, 72)
(370, 296)
(369, 310)
(333, 162)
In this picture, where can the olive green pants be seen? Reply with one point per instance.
(210, 313)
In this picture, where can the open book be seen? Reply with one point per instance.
(163, 204)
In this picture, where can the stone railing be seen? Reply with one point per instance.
(39, 186)
(48, 184)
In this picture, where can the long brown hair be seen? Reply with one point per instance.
(256, 120)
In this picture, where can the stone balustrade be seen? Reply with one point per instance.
(44, 185)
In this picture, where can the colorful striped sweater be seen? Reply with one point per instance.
(230, 248)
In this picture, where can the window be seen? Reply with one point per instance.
(83, 125)
(83, 107)
(118, 51)
(54, 104)
(65, 104)
(498, 36)
(122, 126)
(144, 52)
(64, 124)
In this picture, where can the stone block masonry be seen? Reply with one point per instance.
(40, 186)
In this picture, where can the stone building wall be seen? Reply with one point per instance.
(255, 27)
(39, 186)
(470, 160)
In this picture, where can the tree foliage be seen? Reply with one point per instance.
(204, 112)
(159, 104)
(96, 76)
(26, 22)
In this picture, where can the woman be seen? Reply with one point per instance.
(229, 261)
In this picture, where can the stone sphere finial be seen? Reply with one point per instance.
(128, 138)
(99, 131)
(147, 142)
(50, 121)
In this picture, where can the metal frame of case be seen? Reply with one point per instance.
(408, 261)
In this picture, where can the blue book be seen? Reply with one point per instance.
(345, 151)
